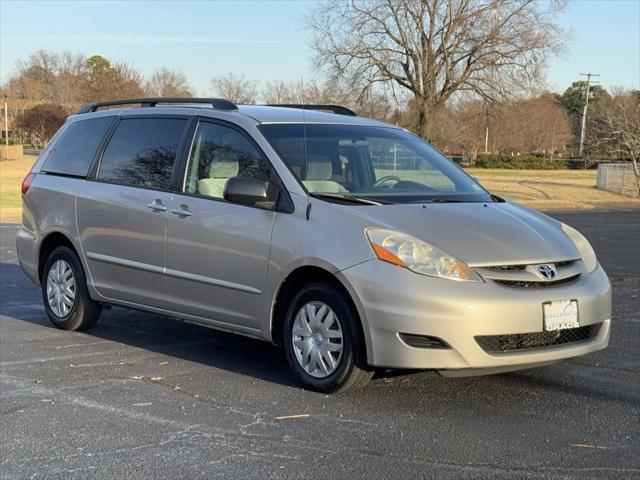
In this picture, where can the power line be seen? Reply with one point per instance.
(584, 111)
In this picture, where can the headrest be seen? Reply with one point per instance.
(319, 167)
(223, 169)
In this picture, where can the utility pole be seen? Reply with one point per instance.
(486, 131)
(486, 140)
(584, 111)
(6, 130)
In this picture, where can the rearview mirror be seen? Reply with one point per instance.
(247, 191)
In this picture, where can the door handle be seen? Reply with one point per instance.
(182, 211)
(157, 205)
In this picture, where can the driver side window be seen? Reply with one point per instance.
(219, 153)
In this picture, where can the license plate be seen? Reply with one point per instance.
(560, 314)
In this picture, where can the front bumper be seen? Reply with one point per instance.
(393, 300)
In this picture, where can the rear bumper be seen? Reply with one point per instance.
(393, 300)
(27, 250)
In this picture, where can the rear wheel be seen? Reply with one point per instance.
(322, 342)
(64, 292)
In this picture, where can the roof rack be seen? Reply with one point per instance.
(330, 108)
(217, 103)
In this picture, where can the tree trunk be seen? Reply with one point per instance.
(425, 118)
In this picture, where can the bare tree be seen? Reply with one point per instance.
(47, 77)
(460, 128)
(68, 75)
(237, 89)
(70, 79)
(280, 91)
(433, 49)
(306, 91)
(614, 128)
(168, 83)
(371, 103)
(534, 125)
(128, 81)
(327, 93)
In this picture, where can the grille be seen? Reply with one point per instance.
(525, 341)
(503, 268)
(536, 284)
(423, 341)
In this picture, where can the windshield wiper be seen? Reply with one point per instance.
(346, 198)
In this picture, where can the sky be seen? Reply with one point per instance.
(265, 40)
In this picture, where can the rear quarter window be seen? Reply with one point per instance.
(142, 152)
(73, 153)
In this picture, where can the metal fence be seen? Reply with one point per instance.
(32, 151)
(618, 178)
(395, 161)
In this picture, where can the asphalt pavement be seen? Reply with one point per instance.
(142, 396)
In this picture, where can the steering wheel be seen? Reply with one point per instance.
(386, 179)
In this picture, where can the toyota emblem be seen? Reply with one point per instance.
(547, 272)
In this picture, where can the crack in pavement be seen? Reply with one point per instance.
(188, 431)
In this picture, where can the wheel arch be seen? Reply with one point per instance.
(304, 275)
(49, 243)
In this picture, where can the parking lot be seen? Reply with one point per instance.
(142, 396)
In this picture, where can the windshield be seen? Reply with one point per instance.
(381, 164)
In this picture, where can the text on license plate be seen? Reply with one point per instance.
(560, 314)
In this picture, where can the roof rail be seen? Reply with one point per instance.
(330, 108)
(217, 103)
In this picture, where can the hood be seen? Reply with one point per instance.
(478, 234)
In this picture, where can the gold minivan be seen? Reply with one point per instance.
(351, 243)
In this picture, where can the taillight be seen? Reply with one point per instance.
(26, 183)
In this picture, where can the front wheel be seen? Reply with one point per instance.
(322, 342)
(64, 292)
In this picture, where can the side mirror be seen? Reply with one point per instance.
(247, 191)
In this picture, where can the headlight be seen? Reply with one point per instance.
(418, 256)
(584, 247)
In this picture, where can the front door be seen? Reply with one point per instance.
(217, 251)
(122, 215)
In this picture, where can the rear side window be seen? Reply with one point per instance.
(73, 153)
(142, 152)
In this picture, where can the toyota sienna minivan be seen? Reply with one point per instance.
(351, 243)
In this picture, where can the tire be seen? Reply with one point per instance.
(64, 292)
(310, 336)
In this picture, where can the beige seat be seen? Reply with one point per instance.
(219, 173)
(319, 172)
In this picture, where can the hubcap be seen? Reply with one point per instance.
(317, 339)
(61, 288)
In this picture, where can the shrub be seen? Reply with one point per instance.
(519, 162)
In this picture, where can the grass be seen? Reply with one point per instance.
(540, 189)
(584, 175)
(12, 172)
(551, 189)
